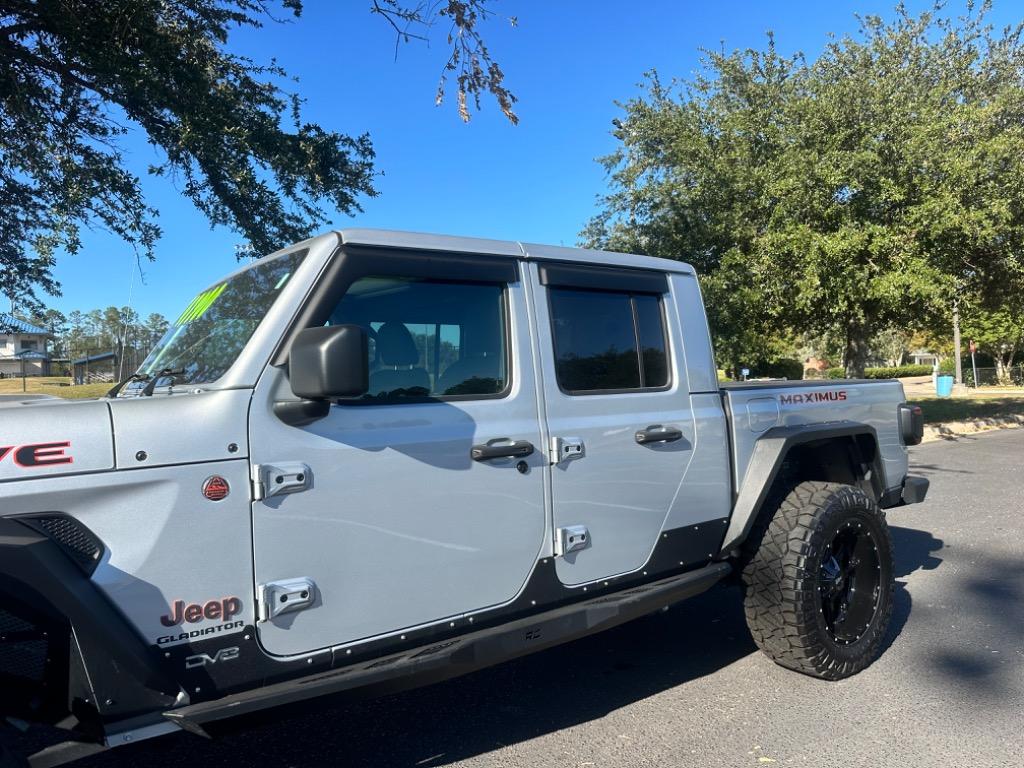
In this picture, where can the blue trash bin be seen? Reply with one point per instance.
(944, 386)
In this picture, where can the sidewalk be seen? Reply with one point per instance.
(969, 411)
(918, 387)
(950, 430)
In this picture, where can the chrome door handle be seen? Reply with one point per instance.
(656, 433)
(501, 448)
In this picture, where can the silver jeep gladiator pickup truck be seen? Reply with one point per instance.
(380, 459)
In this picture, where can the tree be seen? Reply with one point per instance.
(693, 180)
(842, 196)
(999, 333)
(56, 323)
(891, 344)
(476, 72)
(76, 75)
(154, 329)
(113, 329)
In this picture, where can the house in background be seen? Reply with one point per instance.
(924, 357)
(815, 367)
(23, 344)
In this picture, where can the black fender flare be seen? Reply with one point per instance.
(124, 676)
(771, 450)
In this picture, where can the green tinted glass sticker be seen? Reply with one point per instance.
(197, 308)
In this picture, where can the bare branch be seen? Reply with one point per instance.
(475, 71)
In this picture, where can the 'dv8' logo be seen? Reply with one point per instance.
(203, 659)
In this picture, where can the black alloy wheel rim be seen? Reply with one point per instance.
(850, 583)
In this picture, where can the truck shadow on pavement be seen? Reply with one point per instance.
(914, 551)
(930, 469)
(984, 600)
(990, 611)
(508, 704)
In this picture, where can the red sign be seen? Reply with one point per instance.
(216, 488)
(973, 347)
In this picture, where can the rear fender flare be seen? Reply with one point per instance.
(770, 453)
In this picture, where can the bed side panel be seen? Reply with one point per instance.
(754, 410)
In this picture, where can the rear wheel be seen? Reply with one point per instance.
(819, 581)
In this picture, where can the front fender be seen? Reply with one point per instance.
(92, 654)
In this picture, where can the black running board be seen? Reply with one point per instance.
(467, 653)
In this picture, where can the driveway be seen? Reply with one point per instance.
(688, 688)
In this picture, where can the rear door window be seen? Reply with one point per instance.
(607, 341)
(650, 333)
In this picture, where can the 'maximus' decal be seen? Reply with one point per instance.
(809, 398)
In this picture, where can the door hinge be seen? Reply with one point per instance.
(277, 479)
(570, 539)
(277, 597)
(566, 449)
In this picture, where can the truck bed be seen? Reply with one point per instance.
(805, 383)
(754, 407)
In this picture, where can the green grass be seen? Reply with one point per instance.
(51, 385)
(938, 410)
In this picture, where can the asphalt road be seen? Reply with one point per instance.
(688, 687)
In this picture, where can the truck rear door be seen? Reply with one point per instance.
(624, 428)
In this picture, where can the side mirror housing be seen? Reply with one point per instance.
(329, 362)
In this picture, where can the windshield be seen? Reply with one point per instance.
(210, 333)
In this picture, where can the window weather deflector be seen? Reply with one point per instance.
(602, 278)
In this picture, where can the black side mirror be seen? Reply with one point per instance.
(330, 362)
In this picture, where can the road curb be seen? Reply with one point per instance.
(951, 430)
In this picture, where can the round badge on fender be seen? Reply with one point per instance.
(216, 488)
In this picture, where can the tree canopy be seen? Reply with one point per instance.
(119, 330)
(77, 75)
(998, 333)
(842, 196)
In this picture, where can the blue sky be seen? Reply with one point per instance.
(568, 61)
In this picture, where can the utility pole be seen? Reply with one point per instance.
(956, 341)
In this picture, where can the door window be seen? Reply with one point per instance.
(650, 333)
(608, 342)
(429, 339)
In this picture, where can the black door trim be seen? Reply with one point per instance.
(349, 263)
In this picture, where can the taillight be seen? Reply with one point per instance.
(911, 421)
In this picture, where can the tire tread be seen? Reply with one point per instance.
(780, 593)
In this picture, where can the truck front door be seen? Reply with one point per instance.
(397, 522)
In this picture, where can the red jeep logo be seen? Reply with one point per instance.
(182, 612)
(37, 454)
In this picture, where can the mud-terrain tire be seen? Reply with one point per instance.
(818, 580)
